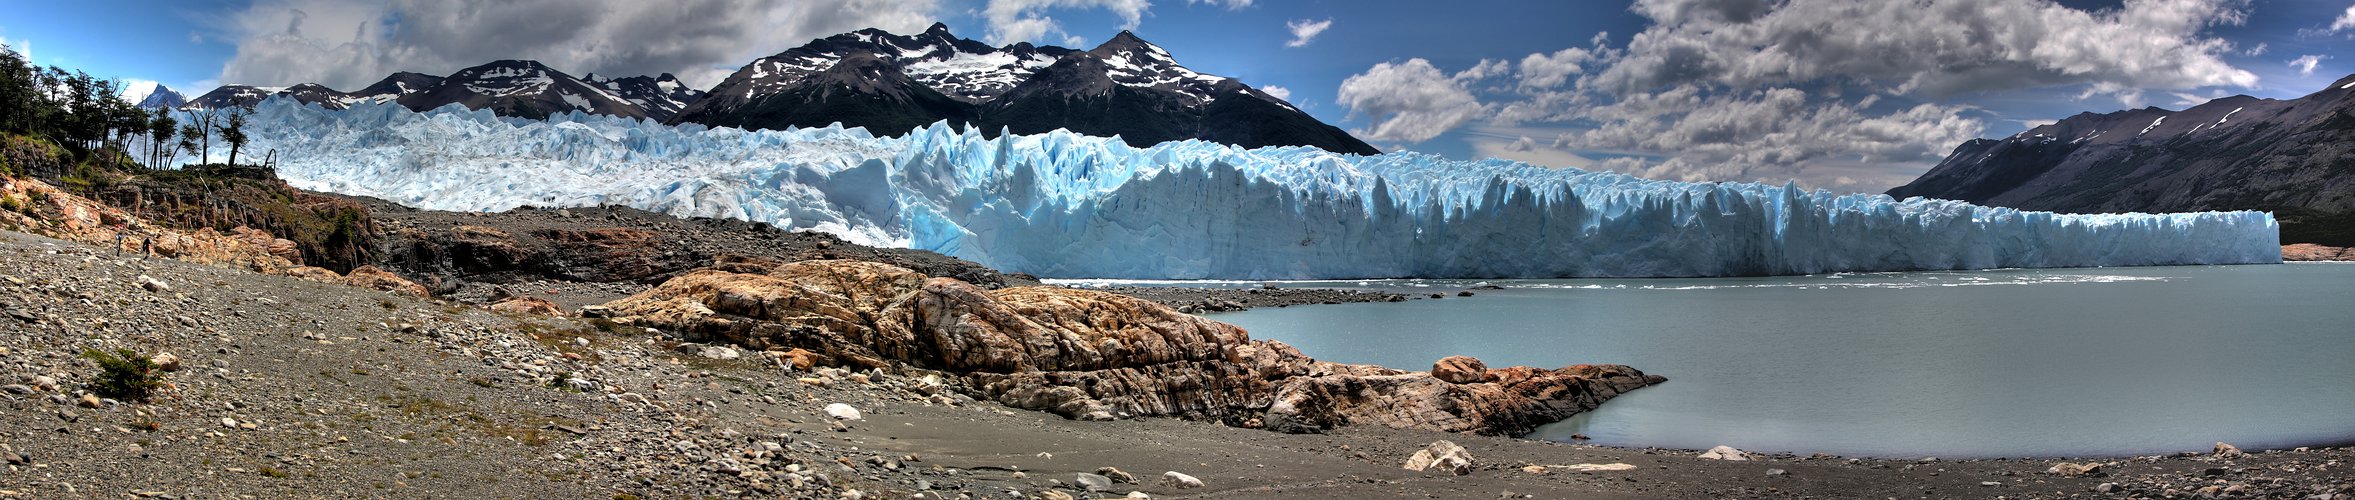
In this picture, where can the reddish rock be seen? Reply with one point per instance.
(1094, 355)
(1460, 369)
(2310, 252)
(527, 305)
(378, 279)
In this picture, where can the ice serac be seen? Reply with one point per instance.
(1066, 205)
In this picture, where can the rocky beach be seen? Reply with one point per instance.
(659, 358)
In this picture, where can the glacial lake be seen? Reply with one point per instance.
(1999, 363)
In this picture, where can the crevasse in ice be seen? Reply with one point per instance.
(1067, 205)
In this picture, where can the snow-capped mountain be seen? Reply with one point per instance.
(2291, 157)
(524, 89)
(1066, 205)
(892, 84)
(387, 90)
(163, 98)
(659, 96)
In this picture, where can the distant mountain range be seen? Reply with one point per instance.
(889, 84)
(2294, 157)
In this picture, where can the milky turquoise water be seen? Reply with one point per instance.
(2071, 362)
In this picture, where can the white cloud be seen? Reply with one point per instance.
(2345, 21)
(1541, 70)
(1304, 30)
(2306, 63)
(347, 44)
(1228, 4)
(2256, 51)
(1929, 47)
(1027, 20)
(1279, 92)
(1771, 135)
(22, 47)
(1515, 144)
(1409, 102)
(135, 90)
(1483, 70)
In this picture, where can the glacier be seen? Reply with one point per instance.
(1064, 205)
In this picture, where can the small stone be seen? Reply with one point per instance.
(2105, 488)
(2227, 450)
(16, 389)
(1443, 456)
(1179, 480)
(1138, 494)
(843, 412)
(15, 459)
(1991, 483)
(166, 361)
(1534, 469)
(1723, 452)
(89, 401)
(1777, 472)
(2066, 469)
(1466, 293)
(153, 285)
(1021, 475)
(1092, 482)
(1054, 495)
(44, 382)
(229, 422)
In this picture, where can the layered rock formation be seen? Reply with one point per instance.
(1094, 355)
(2316, 253)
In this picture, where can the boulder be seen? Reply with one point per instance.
(165, 361)
(2227, 450)
(1442, 456)
(1459, 369)
(1179, 480)
(1723, 452)
(524, 304)
(370, 277)
(843, 412)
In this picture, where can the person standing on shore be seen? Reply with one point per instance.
(121, 233)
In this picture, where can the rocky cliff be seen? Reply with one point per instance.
(1093, 355)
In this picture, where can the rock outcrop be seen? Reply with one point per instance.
(2310, 252)
(1093, 355)
(373, 278)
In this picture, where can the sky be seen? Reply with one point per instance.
(1848, 95)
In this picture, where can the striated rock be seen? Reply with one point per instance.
(1515, 401)
(1093, 355)
(2310, 252)
(527, 305)
(378, 279)
(1459, 369)
(1442, 456)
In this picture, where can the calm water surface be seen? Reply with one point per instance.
(2073, 362)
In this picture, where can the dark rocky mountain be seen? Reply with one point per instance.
(659, 96)
(891, 84)
(233, 95)
(525, 89)
(163, 98)
(2293, 157)
(1134, 89)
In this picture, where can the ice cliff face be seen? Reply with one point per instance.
(1066, 205)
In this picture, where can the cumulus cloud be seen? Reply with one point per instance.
(2345, 21)
(1027, 20)
(1410, 102)
(1304, 30)
(347, 44)
(1543, 70)
(1279, 92)
(2306, 63)
(1929, 47)
(1770, 135)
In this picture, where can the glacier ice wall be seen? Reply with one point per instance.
(1067, 205)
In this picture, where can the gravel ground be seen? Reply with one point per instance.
(289, 388)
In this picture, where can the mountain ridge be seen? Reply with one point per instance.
(2294, 157)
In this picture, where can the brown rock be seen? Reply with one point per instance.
(378, 279)
(2310, 252)
(2066, 469)
(521, 304)
(1459, 369)
(1092, 355)
(318, 274)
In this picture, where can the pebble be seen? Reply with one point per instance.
(1179, 480)
(1777, 472)
(90, 401)
(1092, 482)
(843, 412)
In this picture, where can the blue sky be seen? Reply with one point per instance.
(1845, 94)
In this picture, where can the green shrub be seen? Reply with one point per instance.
(124, 375)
